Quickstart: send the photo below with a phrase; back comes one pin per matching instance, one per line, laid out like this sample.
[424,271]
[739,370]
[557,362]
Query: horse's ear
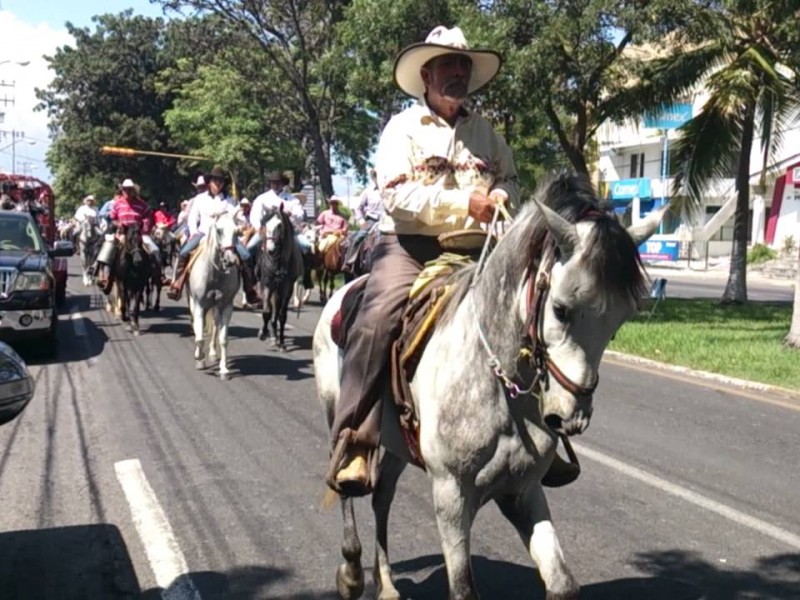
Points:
[644,229]
[564,232]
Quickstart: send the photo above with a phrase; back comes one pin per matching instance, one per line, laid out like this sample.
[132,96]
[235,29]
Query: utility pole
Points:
[15,135]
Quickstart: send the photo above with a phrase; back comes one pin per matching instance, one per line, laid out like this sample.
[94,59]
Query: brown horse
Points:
[329,265]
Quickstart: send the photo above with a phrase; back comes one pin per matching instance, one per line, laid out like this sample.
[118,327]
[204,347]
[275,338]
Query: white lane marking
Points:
[738,517]
[162,549]
[78,325]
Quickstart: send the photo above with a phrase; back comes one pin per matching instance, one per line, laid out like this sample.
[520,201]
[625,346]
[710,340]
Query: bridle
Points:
[534,345]
[533,348]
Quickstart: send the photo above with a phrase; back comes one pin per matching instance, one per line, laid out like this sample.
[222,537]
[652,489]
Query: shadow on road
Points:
[84,561]
[293,369]
[242,583]
[673,575]
[776,576]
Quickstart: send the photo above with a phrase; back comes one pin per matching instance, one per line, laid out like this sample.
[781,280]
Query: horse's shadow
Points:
[293,344]
[670,575]
[292,369]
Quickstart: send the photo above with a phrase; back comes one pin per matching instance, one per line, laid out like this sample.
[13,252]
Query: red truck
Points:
[26,188]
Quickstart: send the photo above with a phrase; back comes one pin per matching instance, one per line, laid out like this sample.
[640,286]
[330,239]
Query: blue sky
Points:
[31,30]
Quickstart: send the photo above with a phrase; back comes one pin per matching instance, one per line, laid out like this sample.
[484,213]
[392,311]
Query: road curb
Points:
[708,376]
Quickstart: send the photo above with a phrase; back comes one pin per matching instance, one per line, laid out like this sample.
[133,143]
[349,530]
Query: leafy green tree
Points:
[751,93]
[103,93]
[296,37]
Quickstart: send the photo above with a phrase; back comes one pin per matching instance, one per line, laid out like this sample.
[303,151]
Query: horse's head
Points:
[133,243]
[278,229]
[224,238]
[583,279]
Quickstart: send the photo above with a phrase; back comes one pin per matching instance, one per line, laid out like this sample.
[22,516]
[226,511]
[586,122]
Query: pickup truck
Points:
[28,286]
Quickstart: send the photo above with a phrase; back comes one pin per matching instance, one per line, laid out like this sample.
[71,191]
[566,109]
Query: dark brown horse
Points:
[132,269]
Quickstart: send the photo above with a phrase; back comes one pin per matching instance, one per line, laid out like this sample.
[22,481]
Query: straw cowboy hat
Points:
[334,199]
[440,41]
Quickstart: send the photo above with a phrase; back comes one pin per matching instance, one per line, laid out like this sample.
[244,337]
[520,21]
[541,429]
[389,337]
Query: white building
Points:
[631,172]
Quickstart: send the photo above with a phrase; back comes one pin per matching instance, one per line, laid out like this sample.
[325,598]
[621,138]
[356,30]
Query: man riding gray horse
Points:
[440,168]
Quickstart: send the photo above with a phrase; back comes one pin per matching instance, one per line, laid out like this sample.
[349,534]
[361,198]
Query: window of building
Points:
[637,165]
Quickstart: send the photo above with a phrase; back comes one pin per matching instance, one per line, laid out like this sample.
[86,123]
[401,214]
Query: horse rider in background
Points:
[368,214]
[206,207]
[128,209]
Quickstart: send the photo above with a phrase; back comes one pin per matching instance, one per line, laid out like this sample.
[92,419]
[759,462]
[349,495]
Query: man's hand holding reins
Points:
[481,207]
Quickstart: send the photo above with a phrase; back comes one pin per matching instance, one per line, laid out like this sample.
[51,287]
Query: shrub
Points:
[789,247]
[760,253]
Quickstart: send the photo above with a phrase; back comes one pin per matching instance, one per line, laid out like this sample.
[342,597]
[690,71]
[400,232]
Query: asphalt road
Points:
[681,284]
[686,493]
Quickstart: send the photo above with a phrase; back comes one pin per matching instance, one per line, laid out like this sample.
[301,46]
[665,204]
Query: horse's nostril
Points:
[554,422]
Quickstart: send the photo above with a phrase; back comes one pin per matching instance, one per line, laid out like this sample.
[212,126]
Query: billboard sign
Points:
[659,250]
[668,117]
[627,189]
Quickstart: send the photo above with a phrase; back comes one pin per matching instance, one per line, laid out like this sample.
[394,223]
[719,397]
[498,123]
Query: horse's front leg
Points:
[391,468]
[454,516]
[530,515]
[137,305]
[350,574]
[280,320]
[122,291]
[266,315]
[198,325]
[222,336]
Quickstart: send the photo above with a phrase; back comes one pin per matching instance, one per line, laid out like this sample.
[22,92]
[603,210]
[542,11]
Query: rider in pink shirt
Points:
[331,221]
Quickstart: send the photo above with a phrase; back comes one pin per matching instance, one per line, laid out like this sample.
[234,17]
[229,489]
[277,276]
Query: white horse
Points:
[213,283]
[490,420]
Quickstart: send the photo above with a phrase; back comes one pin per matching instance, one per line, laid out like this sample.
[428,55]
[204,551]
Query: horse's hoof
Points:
[224,376]
[571,591]
[136,332]
[349,588]
[200,364]
[262,335]
[282,348]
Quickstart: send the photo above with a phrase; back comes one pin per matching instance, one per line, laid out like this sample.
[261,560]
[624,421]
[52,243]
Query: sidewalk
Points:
[718,269]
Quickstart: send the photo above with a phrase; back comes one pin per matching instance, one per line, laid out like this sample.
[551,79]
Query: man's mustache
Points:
[457,88]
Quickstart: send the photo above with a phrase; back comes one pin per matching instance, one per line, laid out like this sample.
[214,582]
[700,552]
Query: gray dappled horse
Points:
[280,267]
[212,286]
[90,238]
[479,441]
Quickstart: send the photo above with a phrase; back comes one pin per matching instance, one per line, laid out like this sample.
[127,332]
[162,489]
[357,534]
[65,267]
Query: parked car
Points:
[27,281]
[16,384]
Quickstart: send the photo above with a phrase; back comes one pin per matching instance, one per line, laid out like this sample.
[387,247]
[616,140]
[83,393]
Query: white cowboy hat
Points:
[127,183]
[244,201]
[440,41]
[89,198]
[200,181]
[333,199]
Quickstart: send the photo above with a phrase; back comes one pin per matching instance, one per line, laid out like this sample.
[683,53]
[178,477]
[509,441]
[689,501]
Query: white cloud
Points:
[26,42]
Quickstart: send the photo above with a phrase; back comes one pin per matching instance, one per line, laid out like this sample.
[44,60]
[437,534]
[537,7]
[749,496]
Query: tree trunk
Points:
[321,158]
[736,288]
[793,339]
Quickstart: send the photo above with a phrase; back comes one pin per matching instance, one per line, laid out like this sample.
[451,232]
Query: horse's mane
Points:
[613,260]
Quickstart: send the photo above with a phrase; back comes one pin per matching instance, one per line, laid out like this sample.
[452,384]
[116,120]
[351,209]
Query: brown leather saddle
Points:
[428,298]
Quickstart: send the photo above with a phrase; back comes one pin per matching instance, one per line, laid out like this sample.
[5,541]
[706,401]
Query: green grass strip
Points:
[739,341]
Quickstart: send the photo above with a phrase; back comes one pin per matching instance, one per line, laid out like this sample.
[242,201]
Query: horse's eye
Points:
[561,312]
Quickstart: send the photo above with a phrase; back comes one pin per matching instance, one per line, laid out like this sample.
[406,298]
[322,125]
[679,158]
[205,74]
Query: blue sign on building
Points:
[668,117]
[659,250]
[628,189]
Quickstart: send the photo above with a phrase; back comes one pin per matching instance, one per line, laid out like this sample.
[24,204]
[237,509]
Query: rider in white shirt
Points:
[86,209]
[204,210]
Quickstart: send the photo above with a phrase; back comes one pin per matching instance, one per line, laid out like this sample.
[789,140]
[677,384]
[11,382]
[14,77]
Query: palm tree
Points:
[741,65]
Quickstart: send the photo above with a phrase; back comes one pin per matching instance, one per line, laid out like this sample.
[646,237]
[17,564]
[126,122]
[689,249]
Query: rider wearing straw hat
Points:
[440,168]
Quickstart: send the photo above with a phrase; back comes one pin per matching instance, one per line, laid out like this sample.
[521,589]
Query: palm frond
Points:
[708,146]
